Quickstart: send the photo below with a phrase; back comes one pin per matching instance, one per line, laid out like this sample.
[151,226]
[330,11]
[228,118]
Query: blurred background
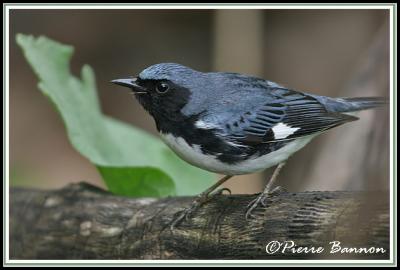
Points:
[326,52]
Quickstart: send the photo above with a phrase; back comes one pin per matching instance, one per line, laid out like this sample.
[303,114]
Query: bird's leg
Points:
[200,200]
[267,191]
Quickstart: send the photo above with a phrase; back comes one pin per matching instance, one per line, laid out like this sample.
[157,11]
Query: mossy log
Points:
[81,221]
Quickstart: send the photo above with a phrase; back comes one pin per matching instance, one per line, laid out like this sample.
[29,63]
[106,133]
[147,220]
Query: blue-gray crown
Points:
[165,71]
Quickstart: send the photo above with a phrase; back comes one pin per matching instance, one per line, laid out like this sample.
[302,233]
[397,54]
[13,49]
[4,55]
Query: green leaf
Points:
[148,181]
[131,161]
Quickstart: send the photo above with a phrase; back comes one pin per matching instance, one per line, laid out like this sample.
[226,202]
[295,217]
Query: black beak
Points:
[132,84]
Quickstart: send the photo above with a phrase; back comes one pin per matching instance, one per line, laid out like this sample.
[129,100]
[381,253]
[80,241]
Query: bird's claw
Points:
[201,199]
[185,213]
[220,192]
[262,199]
[278,190]
[253,205]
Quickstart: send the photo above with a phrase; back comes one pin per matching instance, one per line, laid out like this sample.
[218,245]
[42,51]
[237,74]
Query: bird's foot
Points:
[185,213]
[219,192]
[196,204]
[278,190]
[262,199]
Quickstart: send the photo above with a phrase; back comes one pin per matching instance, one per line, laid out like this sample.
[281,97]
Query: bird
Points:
[235,124]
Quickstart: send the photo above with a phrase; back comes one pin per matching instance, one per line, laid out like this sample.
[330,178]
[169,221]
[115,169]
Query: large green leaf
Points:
[131,161]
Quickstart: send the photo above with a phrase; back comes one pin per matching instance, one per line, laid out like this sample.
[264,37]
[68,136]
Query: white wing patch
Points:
[282,131]
[204,125]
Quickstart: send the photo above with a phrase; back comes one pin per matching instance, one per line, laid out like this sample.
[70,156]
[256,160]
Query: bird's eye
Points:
[162,87]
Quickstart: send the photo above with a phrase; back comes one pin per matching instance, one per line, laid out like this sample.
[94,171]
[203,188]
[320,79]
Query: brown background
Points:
[318,51]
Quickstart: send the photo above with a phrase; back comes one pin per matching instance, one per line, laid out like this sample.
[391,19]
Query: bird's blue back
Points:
[244,108]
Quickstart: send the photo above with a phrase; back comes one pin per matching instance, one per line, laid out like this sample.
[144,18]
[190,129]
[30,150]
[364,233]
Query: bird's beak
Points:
[132,84]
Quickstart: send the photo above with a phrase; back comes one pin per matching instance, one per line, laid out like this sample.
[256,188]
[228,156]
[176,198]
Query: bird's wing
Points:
[286,115]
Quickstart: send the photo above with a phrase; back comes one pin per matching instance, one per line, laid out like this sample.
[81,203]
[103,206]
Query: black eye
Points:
[162,87]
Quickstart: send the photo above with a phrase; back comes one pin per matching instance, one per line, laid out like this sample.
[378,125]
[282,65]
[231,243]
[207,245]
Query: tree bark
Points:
[81,221]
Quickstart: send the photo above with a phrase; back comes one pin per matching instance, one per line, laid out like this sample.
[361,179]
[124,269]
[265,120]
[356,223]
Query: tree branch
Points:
[81,221]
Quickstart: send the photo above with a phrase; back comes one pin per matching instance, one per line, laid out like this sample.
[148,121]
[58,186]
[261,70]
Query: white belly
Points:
[193,155]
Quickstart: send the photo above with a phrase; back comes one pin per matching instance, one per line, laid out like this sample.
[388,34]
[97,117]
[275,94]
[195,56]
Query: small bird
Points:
[235,124]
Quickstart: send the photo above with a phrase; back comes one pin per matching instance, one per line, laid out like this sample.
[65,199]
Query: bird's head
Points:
[163,89]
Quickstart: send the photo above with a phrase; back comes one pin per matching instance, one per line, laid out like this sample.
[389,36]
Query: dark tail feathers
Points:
[363,103]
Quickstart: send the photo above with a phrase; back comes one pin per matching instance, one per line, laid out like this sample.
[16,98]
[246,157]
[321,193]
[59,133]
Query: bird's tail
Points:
[363,103]
[351,104]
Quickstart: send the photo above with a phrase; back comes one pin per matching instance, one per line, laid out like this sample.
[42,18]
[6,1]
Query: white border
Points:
[9,7]
[6,80]
[391,150]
